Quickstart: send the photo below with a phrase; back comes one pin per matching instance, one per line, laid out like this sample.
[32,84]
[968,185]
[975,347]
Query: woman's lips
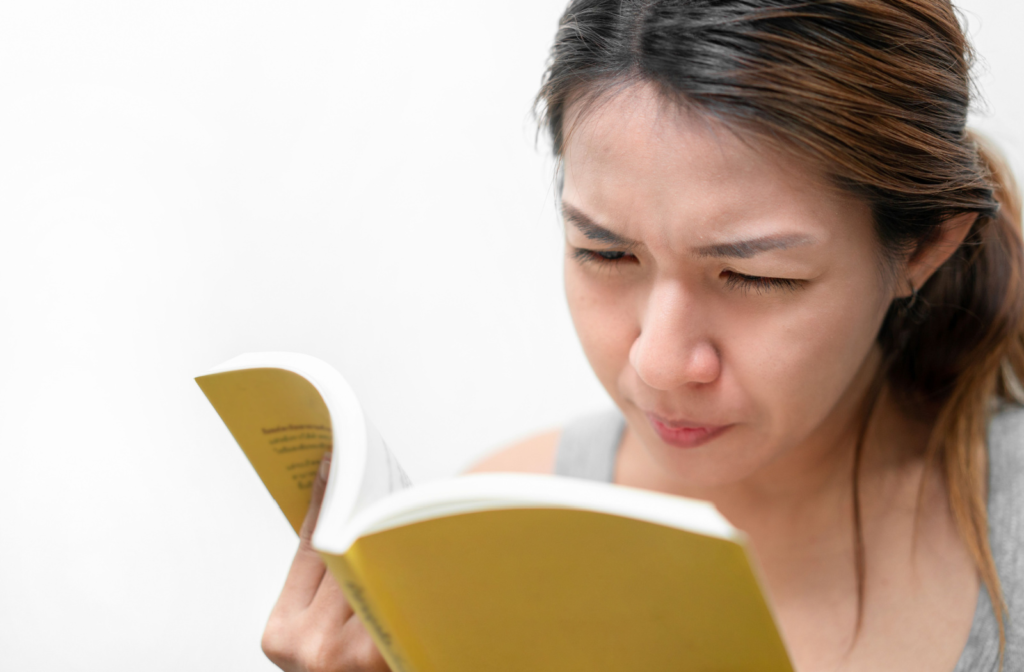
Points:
[684,434]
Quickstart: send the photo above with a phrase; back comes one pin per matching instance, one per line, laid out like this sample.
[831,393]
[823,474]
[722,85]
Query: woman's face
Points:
[726,296]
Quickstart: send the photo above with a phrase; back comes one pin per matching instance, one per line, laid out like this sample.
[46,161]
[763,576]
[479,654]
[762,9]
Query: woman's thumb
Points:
[316,498]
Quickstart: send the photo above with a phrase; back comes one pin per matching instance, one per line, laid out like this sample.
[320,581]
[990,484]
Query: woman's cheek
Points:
[802,360]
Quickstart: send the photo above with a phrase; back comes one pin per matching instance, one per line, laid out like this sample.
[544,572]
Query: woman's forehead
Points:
[636,159]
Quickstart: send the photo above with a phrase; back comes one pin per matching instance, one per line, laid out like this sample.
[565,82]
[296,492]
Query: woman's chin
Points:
[721,459]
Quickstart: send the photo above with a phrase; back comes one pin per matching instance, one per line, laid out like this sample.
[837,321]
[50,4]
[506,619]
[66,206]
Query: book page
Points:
[383,475]
[281,423]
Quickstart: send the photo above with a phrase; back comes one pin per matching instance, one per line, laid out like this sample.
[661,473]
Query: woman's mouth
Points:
[684,434]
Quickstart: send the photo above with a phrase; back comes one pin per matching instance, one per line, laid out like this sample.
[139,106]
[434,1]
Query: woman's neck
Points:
[798,513]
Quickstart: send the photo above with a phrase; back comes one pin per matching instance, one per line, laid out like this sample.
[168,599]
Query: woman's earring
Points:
[913,297]
[913,309]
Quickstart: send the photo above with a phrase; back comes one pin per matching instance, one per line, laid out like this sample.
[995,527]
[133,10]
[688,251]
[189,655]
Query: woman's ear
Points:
[927,260]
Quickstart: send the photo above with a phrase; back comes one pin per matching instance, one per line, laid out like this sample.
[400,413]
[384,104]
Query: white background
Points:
[181,182]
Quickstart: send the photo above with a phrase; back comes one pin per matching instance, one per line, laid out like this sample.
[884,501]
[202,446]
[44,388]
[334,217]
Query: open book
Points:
[497,572]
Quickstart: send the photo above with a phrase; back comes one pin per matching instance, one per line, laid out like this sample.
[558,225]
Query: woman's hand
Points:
[312,628]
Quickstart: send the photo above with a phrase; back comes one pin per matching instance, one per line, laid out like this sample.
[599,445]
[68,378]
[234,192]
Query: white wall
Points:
[186,181]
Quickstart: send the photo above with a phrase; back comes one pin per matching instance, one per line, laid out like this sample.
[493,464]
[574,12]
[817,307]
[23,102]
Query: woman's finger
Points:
[307,570]
[360,652]
[329,602]
[316,498]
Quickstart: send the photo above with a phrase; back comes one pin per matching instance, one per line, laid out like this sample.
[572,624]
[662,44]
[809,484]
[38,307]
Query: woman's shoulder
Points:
[584,448]
[533,455]
[1006,491]
[1006,518]
[1006,460]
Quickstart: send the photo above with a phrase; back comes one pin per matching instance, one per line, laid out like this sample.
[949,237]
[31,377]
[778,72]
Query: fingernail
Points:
[325,466]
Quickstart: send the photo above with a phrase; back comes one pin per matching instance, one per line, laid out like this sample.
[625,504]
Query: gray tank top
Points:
[588,448]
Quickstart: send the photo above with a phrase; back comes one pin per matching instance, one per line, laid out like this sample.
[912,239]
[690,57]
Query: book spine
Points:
[362,602]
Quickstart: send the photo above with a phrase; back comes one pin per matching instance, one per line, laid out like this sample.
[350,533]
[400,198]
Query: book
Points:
[497,572]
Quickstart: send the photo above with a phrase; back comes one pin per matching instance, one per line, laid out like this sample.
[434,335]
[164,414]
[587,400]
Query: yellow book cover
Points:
[498,572]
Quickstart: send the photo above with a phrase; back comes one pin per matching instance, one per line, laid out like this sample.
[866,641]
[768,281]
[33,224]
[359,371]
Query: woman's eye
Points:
[759,284]
[601,256]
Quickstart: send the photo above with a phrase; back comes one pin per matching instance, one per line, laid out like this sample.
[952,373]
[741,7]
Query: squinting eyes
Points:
[601,256]
[759,284]
[732,279]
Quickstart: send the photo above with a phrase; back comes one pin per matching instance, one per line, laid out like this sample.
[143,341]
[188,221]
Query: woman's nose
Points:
[674,347]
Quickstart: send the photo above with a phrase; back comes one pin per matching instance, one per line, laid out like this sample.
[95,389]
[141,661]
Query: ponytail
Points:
[963,351]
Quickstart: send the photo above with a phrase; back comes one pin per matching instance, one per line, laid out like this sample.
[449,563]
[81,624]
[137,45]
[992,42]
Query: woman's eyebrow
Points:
[745,249]
[739,249]
[592,230]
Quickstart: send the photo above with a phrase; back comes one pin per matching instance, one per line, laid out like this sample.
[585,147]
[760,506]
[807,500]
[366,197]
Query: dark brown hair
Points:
[877,93]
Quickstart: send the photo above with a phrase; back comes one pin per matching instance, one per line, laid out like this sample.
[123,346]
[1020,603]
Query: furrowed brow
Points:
[745,249]
[592,230]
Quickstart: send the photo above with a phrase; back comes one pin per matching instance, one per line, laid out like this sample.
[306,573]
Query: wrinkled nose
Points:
[674,348]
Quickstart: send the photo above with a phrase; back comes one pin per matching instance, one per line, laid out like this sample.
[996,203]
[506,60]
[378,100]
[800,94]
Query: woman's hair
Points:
[876,93]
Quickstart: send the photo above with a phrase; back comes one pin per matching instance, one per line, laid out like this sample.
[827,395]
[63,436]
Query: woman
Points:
[800,279]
